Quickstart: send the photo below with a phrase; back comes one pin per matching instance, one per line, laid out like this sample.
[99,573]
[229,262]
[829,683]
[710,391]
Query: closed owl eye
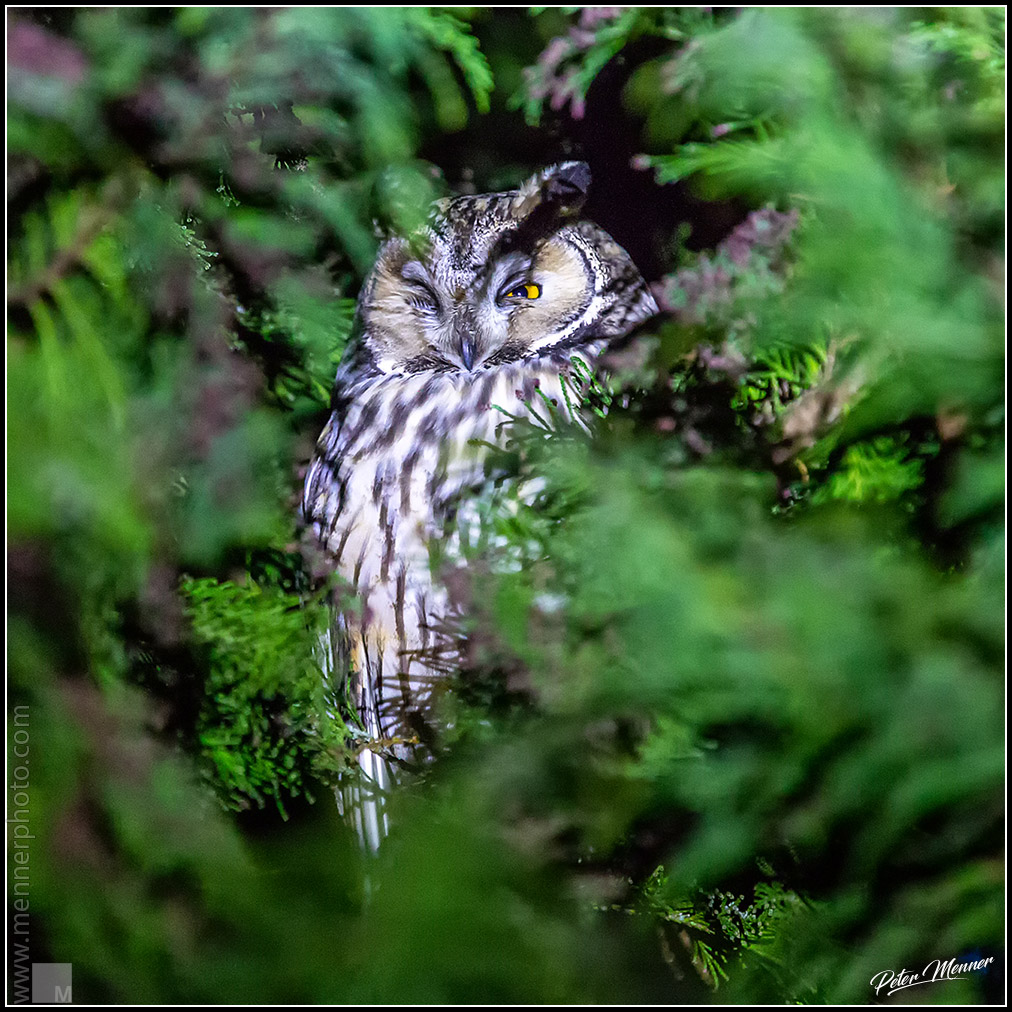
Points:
[423,298]
[422,303]
[524,291]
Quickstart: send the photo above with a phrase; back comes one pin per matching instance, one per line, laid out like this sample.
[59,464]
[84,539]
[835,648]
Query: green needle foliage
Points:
[728,725]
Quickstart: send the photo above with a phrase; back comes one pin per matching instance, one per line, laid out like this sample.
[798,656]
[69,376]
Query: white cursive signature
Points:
[936,969]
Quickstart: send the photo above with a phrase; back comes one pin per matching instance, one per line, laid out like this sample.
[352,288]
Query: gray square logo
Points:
[51,983]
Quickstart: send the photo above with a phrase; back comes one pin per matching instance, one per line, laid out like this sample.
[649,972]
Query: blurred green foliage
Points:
[730,723]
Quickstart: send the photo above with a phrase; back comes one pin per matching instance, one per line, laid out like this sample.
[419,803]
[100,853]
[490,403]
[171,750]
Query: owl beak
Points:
[467,352]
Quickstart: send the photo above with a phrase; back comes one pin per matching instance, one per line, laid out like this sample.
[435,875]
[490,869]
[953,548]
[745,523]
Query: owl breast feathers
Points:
[507,289]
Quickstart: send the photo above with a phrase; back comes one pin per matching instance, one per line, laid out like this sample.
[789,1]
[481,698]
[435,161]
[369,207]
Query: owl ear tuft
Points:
[562,187]
[567,184]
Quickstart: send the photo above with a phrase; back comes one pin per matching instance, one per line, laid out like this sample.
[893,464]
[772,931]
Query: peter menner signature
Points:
[892,981]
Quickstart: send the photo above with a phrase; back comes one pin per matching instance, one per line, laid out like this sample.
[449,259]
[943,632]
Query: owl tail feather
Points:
[363,795]
[363,798]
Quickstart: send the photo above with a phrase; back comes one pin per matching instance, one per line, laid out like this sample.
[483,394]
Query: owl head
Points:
[498,278]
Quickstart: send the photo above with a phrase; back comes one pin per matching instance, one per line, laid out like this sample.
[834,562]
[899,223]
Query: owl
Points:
[479,316]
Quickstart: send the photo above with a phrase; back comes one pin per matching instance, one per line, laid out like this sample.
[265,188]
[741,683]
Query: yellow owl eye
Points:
[524,292]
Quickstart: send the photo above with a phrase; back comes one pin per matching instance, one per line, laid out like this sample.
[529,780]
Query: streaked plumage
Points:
[506,289]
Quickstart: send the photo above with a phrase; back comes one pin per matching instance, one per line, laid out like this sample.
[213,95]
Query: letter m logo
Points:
[51,983]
